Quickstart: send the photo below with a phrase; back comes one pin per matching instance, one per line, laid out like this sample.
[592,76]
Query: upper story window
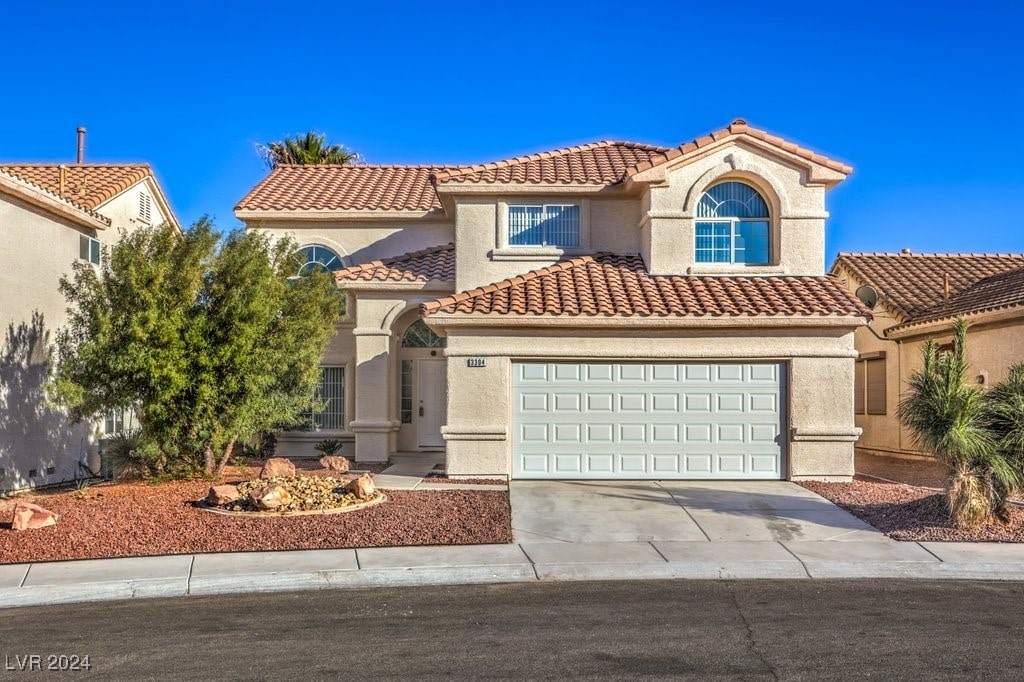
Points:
[145,208]
[315,257]
[89,249]
[732,226]
[544,225]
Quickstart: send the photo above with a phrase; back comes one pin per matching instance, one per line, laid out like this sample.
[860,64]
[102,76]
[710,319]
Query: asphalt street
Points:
[796,630]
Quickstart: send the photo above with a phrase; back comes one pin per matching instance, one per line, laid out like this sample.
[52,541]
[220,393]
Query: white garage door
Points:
[655,421]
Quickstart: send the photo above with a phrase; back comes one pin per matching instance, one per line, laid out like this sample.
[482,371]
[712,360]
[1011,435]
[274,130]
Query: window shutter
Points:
[145,208]
[875,377]
[858,387]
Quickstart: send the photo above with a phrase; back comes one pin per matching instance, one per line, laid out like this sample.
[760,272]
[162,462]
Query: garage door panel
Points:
[653,420]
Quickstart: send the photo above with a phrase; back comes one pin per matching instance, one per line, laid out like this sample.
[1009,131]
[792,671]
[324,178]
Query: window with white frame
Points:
[118,421]
[732,226]
[145,208]
[89,249]
[328,414]
[544,225]
[315,258]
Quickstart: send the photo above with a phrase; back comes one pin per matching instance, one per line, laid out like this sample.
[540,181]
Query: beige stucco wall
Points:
[361,241]
[36,250]
[607,223]
[797,208]
[820,429]
[123,211]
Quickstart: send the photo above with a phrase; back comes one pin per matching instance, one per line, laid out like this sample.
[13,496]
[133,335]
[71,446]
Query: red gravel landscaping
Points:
[905,512]
[139,519]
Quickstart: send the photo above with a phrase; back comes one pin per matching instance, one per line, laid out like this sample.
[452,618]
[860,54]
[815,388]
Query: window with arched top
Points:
[419,335]
[732,226]
[315,258]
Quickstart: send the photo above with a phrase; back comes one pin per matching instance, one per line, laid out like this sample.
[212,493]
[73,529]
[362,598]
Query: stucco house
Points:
[52,215]
[917,297]
[611,310]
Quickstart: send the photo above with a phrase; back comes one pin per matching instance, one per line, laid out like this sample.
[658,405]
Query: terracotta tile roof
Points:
[738,127]
[619,285]
[913,284]
[435,263]
[598,163]
[998,292]
[72,205]
[87,185]
[346,187]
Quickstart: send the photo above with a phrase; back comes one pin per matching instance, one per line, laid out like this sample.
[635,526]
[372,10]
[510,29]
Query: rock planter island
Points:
[293,496]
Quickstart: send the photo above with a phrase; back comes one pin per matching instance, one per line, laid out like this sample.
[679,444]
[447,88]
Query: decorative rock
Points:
[28,516]
[334,463]
[271,497]
[277,466]
[222,494]
[362,487]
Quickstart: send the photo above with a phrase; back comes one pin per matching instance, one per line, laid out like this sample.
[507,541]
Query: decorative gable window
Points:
[315,257]
[732,226]
[89,249]
[419,335]
[544,225]
[145,208]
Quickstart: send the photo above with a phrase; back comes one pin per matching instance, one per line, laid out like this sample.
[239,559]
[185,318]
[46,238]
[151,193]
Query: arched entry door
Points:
[424,384]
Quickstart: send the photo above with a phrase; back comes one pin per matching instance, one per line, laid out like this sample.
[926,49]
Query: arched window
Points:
[419,335]
[732,226]
[315,257]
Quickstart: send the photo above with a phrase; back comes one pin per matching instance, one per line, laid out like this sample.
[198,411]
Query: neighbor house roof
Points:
[610,285]
[913,284]
[344,187]
[434,264]
[998,292]
[86,185]
[41,196]
[414,188]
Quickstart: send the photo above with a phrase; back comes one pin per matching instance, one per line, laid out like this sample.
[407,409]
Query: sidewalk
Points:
[205,574]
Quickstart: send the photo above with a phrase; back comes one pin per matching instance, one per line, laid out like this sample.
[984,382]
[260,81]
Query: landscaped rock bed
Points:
[905,512]
[140,519]
[301,495]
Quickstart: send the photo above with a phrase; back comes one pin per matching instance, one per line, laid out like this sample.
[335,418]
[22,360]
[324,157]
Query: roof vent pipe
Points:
[945,288]
[81,145]
[905,252]
[62,180]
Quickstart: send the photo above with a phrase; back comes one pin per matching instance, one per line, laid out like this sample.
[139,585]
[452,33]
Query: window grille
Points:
[732,226]
[544,225]
[329,412]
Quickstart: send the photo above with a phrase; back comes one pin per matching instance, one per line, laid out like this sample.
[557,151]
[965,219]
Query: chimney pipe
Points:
[81,145]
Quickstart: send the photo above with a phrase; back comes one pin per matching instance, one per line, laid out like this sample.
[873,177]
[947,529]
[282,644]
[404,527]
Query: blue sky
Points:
[925,105]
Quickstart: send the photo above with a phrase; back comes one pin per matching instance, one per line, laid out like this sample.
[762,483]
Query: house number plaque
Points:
[476,362]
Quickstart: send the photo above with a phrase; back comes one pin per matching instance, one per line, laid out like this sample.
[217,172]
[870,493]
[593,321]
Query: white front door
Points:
[433,399]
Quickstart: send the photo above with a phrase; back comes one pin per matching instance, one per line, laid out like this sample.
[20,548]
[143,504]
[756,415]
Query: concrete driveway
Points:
[671,511]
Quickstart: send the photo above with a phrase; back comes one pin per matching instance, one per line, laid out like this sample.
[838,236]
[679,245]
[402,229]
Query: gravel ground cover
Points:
[140,519]
[905,512]
[920,472]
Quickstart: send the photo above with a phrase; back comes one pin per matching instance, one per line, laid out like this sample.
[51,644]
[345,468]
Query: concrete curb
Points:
[262,572]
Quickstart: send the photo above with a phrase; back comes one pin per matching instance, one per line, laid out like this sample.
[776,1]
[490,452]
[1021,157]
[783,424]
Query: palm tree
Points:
[310,149]
[1006,408]
[951,420]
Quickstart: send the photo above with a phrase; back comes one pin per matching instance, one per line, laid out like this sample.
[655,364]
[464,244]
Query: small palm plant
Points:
[1006,414]
[328,446]
[310,149]
[951,420]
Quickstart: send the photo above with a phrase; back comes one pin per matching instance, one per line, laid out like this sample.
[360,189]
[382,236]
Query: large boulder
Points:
[334,463]
[273,496]
[222,494]
[362,487]
[277,466]
[28,516]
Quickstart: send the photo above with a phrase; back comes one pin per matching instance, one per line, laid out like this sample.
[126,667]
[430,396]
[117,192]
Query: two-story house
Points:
[52,215]
[612,310]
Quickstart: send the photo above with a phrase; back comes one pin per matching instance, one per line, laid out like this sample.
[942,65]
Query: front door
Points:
[433,398]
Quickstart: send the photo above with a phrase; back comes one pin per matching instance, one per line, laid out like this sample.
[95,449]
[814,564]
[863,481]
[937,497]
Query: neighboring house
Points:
[50,216]
[612,310]
[918,297]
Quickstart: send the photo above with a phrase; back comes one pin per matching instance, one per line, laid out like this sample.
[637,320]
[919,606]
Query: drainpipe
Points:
[81,145]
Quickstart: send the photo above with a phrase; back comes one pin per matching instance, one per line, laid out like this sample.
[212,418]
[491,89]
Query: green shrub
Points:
[129,455]
[328,446]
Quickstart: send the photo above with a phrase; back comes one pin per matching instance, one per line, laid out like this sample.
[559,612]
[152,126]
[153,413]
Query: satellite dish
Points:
[867,295]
